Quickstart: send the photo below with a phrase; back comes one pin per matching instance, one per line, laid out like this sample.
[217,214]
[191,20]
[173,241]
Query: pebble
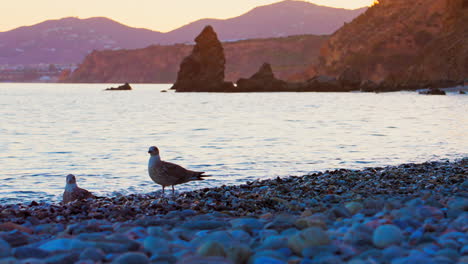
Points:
[203,225]
[266,260]
[387,235]
[312,236]
[5,249]
[354,207]
[30,252]
[63,244]
[93,254]
[211,249]
[155,245]
[131,258]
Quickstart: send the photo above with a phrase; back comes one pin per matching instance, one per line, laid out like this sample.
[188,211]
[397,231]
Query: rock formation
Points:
[262,81]
[433,91]
[203,69]
[160,64]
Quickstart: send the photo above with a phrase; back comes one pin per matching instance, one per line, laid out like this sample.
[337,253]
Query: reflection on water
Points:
[50,130]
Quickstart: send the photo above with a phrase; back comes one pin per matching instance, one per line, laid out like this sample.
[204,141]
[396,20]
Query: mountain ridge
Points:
[69,40]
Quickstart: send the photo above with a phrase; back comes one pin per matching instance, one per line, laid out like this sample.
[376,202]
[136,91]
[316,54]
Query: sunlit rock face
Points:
[403,41]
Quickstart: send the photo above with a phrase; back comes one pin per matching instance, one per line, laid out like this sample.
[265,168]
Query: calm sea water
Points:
[50,130]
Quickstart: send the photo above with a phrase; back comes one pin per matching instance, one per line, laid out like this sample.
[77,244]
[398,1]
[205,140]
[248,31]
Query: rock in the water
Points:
[387,235]
[131,258]
[123,87]
[433,91]
[203,70]
[322,83]
[262,81]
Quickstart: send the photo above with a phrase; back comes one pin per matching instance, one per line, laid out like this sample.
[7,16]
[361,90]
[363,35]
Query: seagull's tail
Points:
[199,176]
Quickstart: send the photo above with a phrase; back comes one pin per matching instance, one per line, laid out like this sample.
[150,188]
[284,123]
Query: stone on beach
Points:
[5,249]
[387,235]
[131,258]
[211,249]
[312,236]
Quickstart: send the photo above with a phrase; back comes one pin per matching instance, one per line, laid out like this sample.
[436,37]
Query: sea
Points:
[50,130]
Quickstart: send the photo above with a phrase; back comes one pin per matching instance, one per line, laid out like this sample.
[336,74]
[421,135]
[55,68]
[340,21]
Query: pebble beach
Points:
[410,213]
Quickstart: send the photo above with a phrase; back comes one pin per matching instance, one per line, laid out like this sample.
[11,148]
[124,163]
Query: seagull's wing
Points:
[83,194]
[178,173]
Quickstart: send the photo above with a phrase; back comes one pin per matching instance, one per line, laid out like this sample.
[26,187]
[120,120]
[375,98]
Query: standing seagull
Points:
[169,174]
[73,192]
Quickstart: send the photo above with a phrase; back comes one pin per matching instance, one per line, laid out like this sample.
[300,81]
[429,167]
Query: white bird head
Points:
[153,151]
[71,179]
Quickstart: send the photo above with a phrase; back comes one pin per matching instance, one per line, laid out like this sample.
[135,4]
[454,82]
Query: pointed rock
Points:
[203,70]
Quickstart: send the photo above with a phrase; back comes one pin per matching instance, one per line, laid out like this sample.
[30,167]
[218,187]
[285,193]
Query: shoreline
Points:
[380,214]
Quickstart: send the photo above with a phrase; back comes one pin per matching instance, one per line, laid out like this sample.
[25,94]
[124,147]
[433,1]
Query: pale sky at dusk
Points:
[159,15]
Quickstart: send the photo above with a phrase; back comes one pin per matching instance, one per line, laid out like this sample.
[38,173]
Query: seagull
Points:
[73,192]
[169,174]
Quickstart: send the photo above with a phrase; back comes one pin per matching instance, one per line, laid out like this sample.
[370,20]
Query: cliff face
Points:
[446,57]
[402,40]
[160,64]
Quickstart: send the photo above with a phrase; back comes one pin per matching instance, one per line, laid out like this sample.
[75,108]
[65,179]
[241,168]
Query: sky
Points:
[159,15]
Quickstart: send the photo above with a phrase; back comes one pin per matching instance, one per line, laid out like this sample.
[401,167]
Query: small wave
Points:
[58,152]
[363,162]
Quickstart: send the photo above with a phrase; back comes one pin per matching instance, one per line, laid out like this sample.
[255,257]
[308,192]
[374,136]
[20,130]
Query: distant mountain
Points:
[69,40]
[281,19]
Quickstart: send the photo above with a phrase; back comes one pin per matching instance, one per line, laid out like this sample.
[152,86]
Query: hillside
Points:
[160,64]
[402,41]
[69,40]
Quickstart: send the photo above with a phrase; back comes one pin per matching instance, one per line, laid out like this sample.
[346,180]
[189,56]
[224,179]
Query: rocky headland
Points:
[411,213]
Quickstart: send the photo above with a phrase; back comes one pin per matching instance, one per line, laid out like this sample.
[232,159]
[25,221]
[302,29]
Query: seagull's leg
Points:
[173,190]
[163,189]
